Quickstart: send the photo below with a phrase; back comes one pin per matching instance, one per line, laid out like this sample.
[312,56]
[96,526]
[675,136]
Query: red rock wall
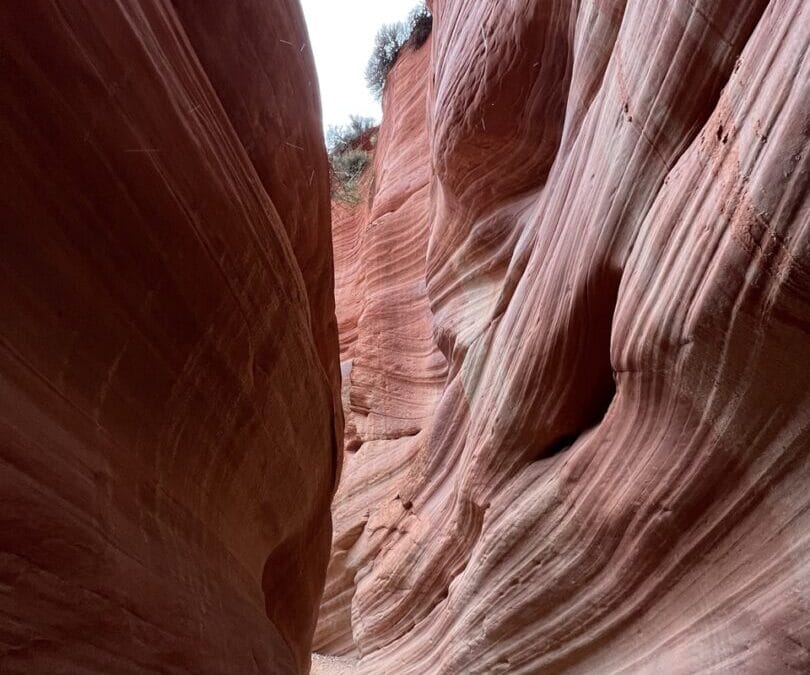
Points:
[168,353]
[393,371]
[618,275]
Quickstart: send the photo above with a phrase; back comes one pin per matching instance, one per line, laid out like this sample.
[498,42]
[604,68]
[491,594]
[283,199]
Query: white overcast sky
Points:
[342,35]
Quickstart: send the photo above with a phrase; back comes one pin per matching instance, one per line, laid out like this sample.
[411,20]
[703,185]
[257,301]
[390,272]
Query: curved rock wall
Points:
[168,352]
[617,268]
[393,371]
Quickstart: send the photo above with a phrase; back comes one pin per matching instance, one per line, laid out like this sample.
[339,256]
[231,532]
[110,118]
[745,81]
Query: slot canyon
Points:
[536,400]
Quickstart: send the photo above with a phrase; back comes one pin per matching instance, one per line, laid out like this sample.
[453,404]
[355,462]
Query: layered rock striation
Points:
[168,354]
[578,367]
[393,371]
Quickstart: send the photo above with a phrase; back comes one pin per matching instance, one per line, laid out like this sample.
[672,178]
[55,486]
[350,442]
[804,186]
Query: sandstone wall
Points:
[617,270]
[168,352]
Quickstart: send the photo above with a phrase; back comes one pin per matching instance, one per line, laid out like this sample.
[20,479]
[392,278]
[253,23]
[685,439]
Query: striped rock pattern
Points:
[395,369]
[613,477]
[393,372]
[168,350]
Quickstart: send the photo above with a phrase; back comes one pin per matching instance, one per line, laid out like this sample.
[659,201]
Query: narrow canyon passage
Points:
[529,394]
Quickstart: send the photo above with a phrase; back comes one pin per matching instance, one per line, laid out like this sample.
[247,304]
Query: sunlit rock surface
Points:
[168,352]
[607,204]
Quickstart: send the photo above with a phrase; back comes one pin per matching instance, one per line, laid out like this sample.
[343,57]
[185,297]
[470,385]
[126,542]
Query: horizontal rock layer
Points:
[617,268]
[168,351]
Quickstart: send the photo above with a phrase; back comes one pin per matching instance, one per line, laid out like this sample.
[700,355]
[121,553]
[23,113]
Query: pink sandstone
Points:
[596,459]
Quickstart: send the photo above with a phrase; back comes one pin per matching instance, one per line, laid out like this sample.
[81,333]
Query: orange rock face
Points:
[168,352]
[596,459]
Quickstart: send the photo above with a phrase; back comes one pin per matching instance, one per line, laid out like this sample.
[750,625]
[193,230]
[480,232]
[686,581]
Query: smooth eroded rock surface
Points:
[168,352]
[608,469]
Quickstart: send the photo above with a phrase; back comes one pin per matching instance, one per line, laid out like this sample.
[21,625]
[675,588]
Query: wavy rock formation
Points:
[168,348]
[615,258]
[393,372]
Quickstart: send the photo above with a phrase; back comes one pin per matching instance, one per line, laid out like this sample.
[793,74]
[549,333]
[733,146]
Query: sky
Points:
[342,35]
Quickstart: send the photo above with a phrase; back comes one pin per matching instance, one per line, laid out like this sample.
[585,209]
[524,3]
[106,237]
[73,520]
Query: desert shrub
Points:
[389,42]
[350,164]
[346,136]
[347,167]
[420,22]
[348,146]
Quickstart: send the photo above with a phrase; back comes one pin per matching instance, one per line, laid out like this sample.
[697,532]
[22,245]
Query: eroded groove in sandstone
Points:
[617,264]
